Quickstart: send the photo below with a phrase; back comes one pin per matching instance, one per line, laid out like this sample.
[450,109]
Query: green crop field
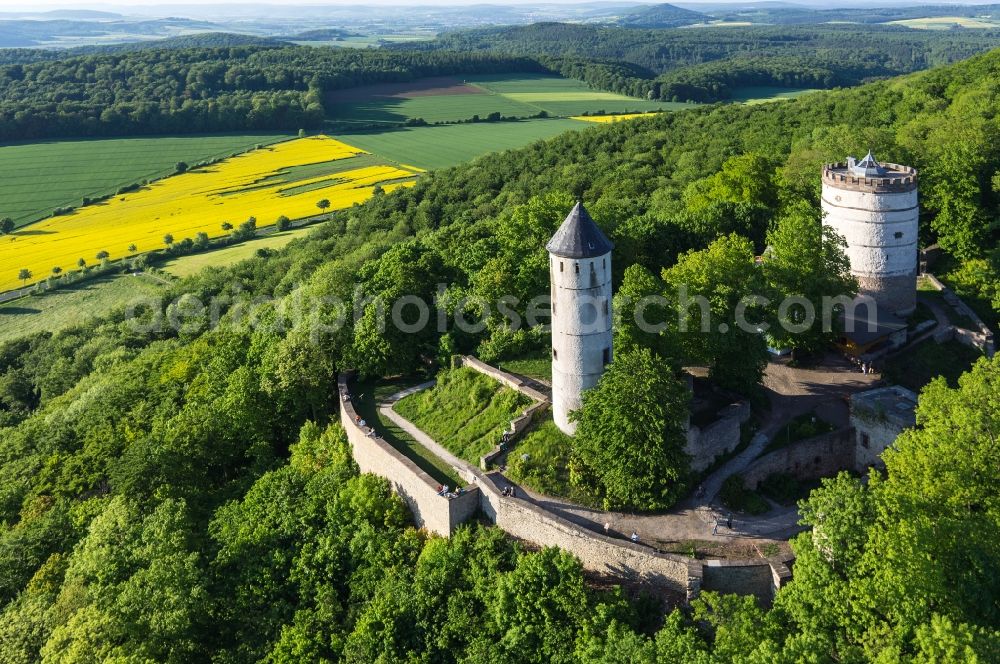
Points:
[565,96]
[37,178]
[760,94]
[432,108]
[185,266]
[450,99]
[72,305]
[448,145]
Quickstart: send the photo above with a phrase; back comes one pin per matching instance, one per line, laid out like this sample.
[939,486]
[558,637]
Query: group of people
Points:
[718,522]
[445,490]
[360,421]
[509,492]
[505,440]
[865,366]
[634,537]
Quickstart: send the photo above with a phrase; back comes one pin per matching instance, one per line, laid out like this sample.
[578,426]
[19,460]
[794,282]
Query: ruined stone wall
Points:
[881,433]
[820,456]
[719,437]
[418,489]
[981,337]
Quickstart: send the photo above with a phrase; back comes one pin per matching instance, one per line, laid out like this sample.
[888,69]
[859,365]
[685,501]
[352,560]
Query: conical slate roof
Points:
[579,237]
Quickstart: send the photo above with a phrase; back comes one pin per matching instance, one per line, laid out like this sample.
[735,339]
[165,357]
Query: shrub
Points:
[736,496]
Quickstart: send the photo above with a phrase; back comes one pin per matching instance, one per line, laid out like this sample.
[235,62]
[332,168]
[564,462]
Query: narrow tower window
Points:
[899,235]
[555,354]
[604,306]
[577,266]
[560,266]
[607,356]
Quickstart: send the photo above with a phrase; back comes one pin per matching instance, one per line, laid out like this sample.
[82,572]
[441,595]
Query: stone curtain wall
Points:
[597,552]
[533,524]
[719,437]
[510,380]
[418,489]
[820,456]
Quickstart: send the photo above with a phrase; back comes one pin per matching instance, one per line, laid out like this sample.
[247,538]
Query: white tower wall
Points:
[879,218]
[581,330]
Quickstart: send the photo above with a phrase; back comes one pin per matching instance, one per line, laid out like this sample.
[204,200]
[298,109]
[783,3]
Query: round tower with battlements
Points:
[874,206]
[580,279]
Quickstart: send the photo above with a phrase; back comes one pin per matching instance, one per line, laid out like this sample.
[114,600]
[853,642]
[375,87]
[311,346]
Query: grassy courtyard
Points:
[466,411]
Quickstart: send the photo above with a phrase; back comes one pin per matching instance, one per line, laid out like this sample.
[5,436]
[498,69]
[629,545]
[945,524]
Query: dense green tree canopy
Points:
[164,493]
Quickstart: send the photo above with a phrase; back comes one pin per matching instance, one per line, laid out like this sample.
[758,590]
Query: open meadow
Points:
[56,310]
[948,23]
[185,266]
[285,179]
[37,178]
[761,94]
[450,99]
[450,145]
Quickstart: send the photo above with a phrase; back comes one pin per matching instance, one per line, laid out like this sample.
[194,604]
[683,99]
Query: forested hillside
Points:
[189,90]
[794,56]
[175,493]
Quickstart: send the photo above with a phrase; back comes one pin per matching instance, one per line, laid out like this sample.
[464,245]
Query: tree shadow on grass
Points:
[15,311]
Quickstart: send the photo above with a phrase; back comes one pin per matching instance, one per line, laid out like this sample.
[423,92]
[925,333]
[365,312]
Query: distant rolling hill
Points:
[200,40]
[662,16]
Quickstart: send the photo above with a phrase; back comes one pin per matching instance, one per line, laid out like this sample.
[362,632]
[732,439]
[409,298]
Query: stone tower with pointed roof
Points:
[874,206]
[580,281]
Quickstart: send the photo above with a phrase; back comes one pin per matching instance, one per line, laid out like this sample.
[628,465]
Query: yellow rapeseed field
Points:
[610,118]
[256,184]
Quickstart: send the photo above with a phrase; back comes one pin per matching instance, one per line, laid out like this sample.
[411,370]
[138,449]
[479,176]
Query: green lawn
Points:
[185,266]
[72,305]
[466,412]
[759,94]
[450,145]
[537,365]
[917,367]
[37,178]
[541,459]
